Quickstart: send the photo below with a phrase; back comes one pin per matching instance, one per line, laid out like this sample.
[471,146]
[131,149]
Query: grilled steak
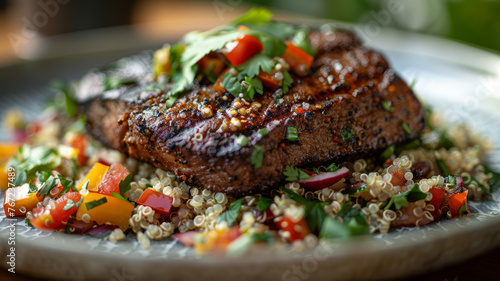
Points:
[338,111]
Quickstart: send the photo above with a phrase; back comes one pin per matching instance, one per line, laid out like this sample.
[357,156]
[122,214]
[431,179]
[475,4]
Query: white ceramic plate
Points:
[462,81]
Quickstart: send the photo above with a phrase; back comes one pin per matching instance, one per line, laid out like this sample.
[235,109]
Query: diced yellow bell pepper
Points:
[94,177]
[115,211]
[7,150]
[161,61]
[18,201]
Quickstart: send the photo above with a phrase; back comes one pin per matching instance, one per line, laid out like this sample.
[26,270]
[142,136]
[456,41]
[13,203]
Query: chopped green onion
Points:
[387,106]
[242,140]
[406,128]
[292,134]
[92,204]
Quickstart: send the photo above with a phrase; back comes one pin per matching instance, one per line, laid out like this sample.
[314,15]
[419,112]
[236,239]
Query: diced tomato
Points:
[269,79]
[298,230]
[436,201]
[94,177]
[111,181]
[114,211]
[158,201]
[455,201]
[50,218]
[80,142]
[17,201]
[245,47]
[299,60]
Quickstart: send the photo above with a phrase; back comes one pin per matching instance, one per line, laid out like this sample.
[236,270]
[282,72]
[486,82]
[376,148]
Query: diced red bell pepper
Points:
[269,79]
[246,46]
[298,230]
[158,201]
[436,201]
[298,60]
[456,201]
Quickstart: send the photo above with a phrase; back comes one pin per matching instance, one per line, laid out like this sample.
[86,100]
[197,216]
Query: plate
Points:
[461,81]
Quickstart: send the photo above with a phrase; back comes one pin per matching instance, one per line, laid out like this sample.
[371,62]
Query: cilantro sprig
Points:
[402,199]
[293,174]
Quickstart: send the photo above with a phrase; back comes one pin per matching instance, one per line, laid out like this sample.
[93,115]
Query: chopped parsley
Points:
[95,203]
[47,185]
[300,40]
[442,166]
[67,185]
[387,106]
[406,128]
[293,174]
[287,81]
[111,83]
[263,203]
[232,213]
[31,160]
[125,184]
[32,188]
[314,213]
[257,156]
[292,134]
[242,140]
[346,133]
[70,106]
[116,195]
[388,152]
[69,204]
[263,132]
[402,199]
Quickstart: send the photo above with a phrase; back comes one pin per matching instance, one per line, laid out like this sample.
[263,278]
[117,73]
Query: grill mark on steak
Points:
[345,91]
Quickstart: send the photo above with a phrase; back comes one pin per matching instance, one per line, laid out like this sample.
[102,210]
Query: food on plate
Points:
[256,132]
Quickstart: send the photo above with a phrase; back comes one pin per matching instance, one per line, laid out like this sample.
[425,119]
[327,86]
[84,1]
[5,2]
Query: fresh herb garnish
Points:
[462,210]
[111,83]
[22,177]
[69,204]
[28,222]
[32,188]
[293,174]
[406,128]
[346,133]
[442,166]
[387,106]
[34,160]
[125,184]
[95,203]
[287,81]
[47,185]
[388,152]
[241,245]
[263,203]
[263,132]
[292,134]
[300,40]
[257,156]
[67,184]
[232,213]
[70,105]
[354,223]
[402,199]
[116,195]
[314,212]
[242,140]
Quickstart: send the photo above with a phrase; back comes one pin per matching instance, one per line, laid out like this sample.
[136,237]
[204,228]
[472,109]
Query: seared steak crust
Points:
[337,110]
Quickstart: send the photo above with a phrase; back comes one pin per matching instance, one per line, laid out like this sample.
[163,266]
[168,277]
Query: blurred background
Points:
[26,25]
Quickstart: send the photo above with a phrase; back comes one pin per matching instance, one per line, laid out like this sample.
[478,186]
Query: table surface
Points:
[152,20]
